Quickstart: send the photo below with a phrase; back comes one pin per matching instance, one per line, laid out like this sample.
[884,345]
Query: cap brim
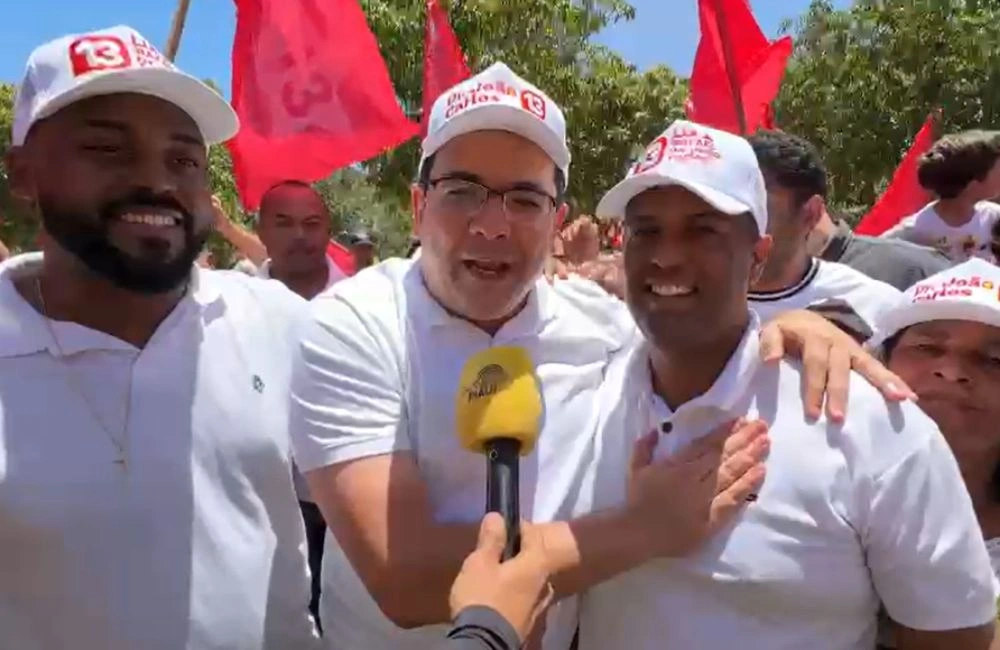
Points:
[898,319]
[215,118]
[500,117]
[613,203]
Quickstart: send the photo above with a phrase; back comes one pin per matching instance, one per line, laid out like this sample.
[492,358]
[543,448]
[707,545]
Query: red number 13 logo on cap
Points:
[92,53]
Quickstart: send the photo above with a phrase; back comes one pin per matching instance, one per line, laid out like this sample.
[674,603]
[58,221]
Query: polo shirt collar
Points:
[725,393]
[23,330]
[539,309]
[334,272]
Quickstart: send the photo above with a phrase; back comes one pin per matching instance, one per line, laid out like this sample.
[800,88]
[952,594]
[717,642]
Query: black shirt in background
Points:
[481,628]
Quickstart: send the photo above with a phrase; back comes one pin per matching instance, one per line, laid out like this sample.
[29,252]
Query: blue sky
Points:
[664,31]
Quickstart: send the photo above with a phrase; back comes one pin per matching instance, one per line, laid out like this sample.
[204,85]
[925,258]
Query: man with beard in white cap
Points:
[853,514]
[146,496]
[373,392]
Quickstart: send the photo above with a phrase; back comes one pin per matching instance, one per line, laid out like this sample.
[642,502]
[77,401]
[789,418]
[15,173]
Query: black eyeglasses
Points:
[468,198]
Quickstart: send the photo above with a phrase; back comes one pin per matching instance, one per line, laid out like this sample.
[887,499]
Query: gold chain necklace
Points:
[119,442]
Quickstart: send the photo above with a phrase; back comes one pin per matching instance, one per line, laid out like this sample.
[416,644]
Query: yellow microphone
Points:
[498,411]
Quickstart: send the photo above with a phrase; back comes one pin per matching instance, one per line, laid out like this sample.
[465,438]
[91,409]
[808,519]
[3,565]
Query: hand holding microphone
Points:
[497,412]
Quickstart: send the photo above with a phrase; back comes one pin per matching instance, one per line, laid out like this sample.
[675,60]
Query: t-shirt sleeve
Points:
[347,396]
[925,550]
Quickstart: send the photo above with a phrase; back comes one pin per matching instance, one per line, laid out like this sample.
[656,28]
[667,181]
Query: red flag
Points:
[342,257]
[733,54]
[444,63]
[904,196]
[312,92]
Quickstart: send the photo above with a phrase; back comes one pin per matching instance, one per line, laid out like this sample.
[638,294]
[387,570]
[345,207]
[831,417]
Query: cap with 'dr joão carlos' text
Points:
[719,167]
[497,99]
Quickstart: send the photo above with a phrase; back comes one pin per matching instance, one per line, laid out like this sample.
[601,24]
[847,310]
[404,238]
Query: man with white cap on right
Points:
[853,515]
[373,393]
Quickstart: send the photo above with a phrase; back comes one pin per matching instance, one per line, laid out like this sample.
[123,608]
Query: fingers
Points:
[888,383]
[729,502]
[772,344]
[642,451]
[837,383]
[816,367]
[492,536]
[740,463]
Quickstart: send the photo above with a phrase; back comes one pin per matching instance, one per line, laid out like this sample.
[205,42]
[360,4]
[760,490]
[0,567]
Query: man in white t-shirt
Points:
[374,388]
[851,514]
[792,278]
[146,495]
[962,171]
[293,224]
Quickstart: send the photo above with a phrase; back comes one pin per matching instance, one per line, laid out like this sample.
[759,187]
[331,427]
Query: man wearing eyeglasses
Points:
[372,413]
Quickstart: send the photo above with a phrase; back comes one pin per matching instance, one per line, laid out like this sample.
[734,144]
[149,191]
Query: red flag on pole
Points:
[737,70]
[444,63]
[904,196]
[312,92]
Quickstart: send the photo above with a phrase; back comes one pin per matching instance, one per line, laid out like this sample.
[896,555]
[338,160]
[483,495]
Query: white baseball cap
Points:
[109,61]
[719,167]
[498,99]
[969,291]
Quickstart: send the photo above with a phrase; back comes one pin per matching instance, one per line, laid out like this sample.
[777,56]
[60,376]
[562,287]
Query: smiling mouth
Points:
[670,290]
[149,219]
[486,270]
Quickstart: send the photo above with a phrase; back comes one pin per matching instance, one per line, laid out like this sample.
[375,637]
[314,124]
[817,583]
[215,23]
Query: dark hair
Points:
[888,347]
[414,245]
[792,162]
[956,160]
[424,177]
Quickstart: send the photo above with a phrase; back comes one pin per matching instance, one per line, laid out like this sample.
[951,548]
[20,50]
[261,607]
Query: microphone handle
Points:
[503,488]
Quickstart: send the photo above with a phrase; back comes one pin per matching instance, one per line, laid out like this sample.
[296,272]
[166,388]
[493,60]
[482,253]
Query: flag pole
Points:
[727,56]
[177,28]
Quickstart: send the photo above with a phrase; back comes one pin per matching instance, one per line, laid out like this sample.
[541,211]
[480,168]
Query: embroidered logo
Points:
[258,384]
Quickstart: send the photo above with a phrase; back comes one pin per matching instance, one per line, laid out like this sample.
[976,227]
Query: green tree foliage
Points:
[862,81]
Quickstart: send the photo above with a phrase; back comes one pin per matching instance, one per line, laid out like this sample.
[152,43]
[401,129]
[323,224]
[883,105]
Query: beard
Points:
[86,238]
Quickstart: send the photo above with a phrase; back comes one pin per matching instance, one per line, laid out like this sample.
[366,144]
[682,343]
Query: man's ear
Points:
[418,200]
[761,251]
[812,212]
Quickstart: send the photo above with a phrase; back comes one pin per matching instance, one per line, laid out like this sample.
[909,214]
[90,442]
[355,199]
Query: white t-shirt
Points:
[334,275]
[971,239]
[199,544]
[853,297]
[874,509]
[377,373]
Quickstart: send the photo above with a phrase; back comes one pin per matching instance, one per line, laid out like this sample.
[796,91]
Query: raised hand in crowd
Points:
[246,242]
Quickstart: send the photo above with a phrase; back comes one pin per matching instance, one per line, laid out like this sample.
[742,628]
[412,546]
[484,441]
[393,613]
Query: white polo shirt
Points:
[832,285]
[874,509]
[335,275]
[378,370]
[199,544]
[334,272]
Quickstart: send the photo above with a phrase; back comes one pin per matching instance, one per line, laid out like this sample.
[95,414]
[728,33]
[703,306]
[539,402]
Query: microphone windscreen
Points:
[498,397]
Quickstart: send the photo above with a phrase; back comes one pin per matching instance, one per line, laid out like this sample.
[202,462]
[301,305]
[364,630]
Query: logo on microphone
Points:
[490,380]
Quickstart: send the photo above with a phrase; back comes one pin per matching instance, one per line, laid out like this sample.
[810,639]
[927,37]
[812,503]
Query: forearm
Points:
[973,638]
[588,551]
[244,241]
[413,589]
